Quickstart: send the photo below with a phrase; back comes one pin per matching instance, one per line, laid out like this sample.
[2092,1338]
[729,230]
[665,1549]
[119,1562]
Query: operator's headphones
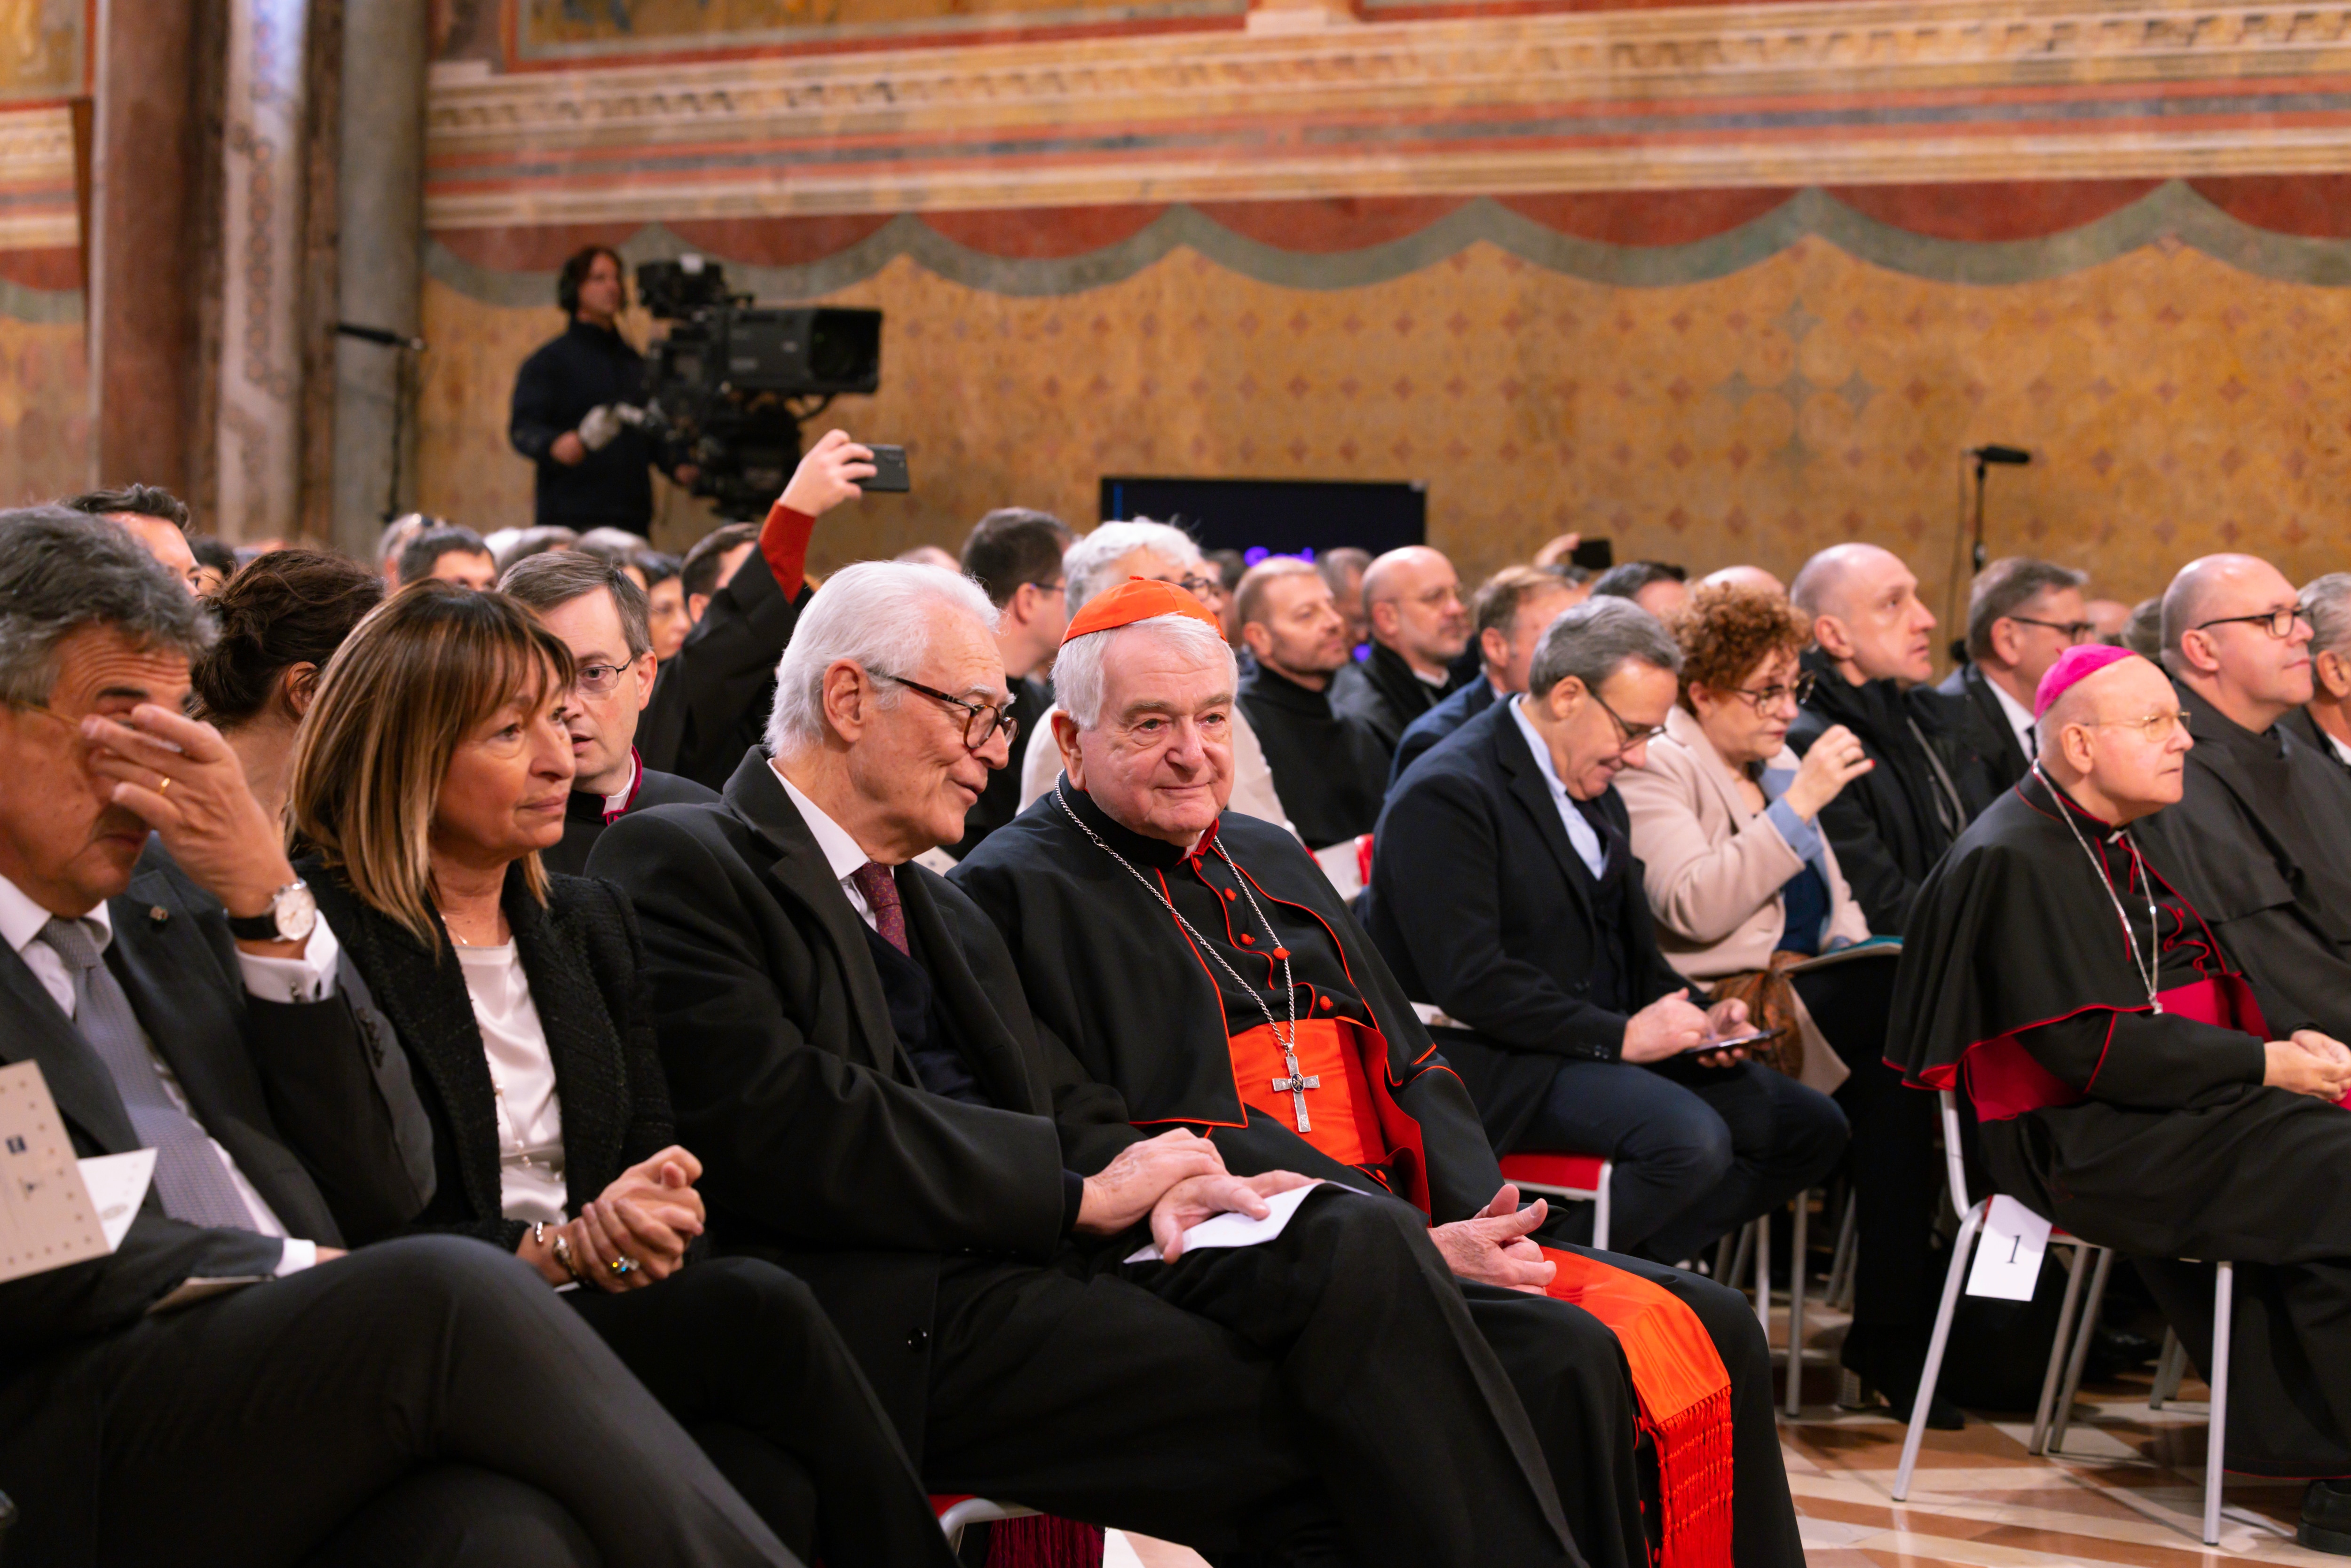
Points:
[575,273]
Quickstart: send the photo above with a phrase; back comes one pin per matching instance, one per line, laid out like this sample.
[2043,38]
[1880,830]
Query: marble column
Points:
[141,309]
[259,437]
[379,261]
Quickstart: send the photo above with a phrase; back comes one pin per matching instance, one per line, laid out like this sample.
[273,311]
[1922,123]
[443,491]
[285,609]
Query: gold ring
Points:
[164,787]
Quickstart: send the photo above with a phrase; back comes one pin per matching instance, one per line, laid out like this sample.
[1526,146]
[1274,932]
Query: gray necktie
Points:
[189,1177]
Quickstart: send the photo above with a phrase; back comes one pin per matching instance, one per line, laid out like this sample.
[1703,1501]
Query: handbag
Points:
[1771,999]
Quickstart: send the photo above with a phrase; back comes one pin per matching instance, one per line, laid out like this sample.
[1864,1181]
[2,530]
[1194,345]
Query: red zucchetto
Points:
[1136,598]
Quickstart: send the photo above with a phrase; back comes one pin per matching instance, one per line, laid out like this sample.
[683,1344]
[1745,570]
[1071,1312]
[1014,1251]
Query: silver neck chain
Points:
[2149,968]
[1289,1042]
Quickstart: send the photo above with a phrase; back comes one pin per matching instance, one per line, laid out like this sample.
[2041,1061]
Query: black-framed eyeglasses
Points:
[1773,696]
[981,720]
[1633,736]
[2278,624]
[2076,632]
[1060,585]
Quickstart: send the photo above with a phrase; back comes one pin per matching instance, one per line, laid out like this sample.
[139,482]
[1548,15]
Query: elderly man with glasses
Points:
[1506,899]
[2259,840]
[2022,616]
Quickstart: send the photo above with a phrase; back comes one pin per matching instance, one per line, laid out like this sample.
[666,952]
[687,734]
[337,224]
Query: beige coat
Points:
[1714,870]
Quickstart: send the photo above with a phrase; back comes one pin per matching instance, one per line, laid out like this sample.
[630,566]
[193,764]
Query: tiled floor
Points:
[2127,1490]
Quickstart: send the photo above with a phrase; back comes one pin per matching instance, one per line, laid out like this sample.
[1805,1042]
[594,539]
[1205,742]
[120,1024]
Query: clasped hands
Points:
[649,1215]
[2309,1063]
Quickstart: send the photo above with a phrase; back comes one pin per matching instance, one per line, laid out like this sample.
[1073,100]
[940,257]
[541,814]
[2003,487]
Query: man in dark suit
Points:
[1871,660]
[712,698]
[850,1051]
[1506,898]
[1510,611]
[2022,616]
[598,609]
[2323,723]
[1419,626]
[314,1405]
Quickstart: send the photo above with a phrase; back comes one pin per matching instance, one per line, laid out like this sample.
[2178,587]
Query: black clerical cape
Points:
[1331,771]
[2143,1129]
[1169,1013]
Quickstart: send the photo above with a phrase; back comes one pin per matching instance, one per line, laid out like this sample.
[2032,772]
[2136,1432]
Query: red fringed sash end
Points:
[1041,1540]
[1685,1400]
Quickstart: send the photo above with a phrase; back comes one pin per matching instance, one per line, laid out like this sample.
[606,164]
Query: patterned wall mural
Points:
[1805,376]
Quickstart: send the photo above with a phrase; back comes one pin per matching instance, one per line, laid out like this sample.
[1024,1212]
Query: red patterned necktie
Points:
[881,892]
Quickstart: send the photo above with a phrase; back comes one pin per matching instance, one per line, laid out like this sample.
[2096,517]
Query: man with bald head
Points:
[1872,654]
[1753,576]
[1419,625]
[2259,840]
[2162,1114]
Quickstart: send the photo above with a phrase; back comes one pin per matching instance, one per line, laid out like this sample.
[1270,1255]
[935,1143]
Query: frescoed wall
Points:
[1804,372]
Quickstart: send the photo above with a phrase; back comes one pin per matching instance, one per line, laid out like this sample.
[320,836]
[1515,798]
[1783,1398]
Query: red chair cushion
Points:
[1579,1171]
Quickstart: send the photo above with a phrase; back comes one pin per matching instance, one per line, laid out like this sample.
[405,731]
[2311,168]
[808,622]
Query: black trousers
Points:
[1326,1397]
[1898,1177]
[430,1392]
[741,1355]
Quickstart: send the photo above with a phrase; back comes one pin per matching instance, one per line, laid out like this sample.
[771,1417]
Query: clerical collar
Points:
[616,804]
[2089,819]
[1157,853]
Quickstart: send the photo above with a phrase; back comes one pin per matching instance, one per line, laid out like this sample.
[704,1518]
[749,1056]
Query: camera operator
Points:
[573,401]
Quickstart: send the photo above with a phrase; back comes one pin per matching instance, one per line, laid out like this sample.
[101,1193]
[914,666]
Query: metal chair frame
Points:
[974,1511]
[2071,1347]
[1596,1195]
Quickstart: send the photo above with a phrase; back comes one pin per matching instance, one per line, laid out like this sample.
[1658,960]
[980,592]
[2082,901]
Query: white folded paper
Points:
[118,1185]
[1234,1229]
[46,1217]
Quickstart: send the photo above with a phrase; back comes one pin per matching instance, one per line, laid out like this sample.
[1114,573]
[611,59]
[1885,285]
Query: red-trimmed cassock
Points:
[2145,1129]
[1623,1360]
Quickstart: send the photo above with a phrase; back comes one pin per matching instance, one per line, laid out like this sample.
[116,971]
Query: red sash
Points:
[2003,1081]
[1685,1398]
[1678,1379]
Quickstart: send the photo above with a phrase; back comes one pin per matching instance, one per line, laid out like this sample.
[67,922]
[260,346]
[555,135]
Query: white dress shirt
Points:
[2019,719]
[522,1078]
[840,851]
[2342,752]
[310,977]
[1580,830]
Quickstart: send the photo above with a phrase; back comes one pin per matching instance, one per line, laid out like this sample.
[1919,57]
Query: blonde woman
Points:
[1725,822]
[430,772]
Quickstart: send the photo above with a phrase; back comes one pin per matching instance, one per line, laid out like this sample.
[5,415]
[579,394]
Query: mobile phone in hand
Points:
[1731,1042]
[889,470]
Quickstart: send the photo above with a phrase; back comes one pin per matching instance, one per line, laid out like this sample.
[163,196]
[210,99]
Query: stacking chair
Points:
[957,1514]
[1582,1179]
[2071,1347]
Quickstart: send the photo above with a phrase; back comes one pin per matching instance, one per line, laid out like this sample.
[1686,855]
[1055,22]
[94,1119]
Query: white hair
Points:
[880,615]
[1078,670]
[1085,564]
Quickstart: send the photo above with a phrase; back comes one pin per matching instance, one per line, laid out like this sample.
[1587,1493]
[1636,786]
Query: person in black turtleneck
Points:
[592,468]
[1419,627]
[600,612]
[1329,770]
[1873,655]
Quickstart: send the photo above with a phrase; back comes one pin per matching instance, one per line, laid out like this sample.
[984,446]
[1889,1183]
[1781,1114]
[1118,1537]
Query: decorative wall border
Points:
[2172,213]
[1769,95]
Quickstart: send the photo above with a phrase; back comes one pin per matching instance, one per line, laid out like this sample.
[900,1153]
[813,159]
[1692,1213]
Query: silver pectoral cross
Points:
[1295,1086]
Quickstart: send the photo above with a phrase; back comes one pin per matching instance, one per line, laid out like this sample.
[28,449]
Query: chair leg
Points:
[1764,1273]
[2076,1277]
[1796,1305]
[1600,1211]
[1953,1279]
[2224,1303]
[1723,1256]
[2169,1368]
[1839,1294]
[2062,1417]
[1738,1258]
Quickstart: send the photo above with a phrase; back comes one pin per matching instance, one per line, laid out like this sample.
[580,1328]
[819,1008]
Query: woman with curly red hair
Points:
[1743,884]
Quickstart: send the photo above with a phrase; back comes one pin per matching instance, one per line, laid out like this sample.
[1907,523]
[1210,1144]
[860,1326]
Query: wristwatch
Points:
[291,914]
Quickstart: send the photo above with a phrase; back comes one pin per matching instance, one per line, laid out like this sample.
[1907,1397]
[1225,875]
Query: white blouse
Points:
[522,1075]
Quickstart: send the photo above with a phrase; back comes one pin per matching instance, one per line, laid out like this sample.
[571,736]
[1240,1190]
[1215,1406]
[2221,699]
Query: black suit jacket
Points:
[1474,698]
[1384,693]
[1982,728]
[820,1148]
[710,704]
[586,970]
[176,962]
[2304,729]
[1482,906]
